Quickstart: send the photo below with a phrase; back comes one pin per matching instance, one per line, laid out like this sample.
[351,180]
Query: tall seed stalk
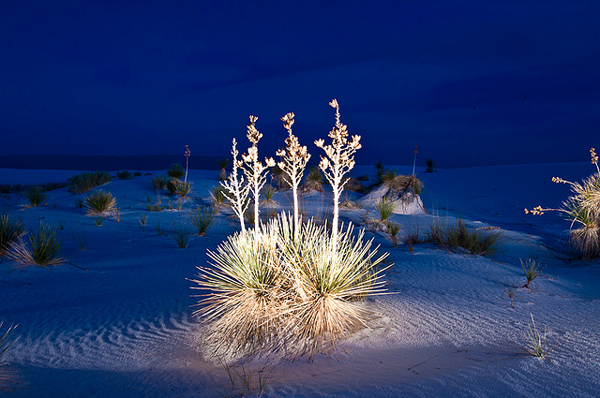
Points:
[254,170]
[294,160]
[339,161]
[234,188]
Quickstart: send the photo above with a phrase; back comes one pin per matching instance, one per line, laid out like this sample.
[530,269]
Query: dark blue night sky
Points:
[472,82]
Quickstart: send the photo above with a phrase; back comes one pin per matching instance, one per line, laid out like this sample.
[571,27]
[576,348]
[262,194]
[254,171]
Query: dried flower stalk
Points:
[339,161]
[254,169]
[294,160]
[234,188]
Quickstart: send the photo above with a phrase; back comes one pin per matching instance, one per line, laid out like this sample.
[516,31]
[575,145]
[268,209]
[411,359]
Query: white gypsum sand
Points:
[115,320]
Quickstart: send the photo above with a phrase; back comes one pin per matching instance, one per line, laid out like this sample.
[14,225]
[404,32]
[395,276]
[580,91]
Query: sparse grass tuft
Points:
[35,195]
[100,202]
[393,228]
[183,188]
[180,235]
[176,171]
[10,231]
[81,183]
[143,219]
[510,290]
[532,270]
[385,207]
[43,248]
[201,219]
[218,196]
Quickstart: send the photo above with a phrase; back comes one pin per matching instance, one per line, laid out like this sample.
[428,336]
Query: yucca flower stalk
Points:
[187,155]
[339,161]
[234,188]
[294,160]
[255,171]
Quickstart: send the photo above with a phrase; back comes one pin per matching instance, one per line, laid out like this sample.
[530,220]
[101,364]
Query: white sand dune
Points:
[116,320]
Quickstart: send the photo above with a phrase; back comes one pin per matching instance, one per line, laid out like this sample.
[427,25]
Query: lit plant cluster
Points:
[583,210]
[287,286]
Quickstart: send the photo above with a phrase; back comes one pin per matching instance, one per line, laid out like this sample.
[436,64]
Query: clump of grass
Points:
[176,171]
[98,221]
[124,175]
[137,174]
[201,219]
[43,248]
[180,235]
[453,236]
[510,290]
[81,239]
[100,202]
[218,196]
[35,195]
[160,182]
[393,228]
[158,227]
[582,208]
[268,191]
[10,231]
[532,270]
[244,381]
[385,207]
[81,183]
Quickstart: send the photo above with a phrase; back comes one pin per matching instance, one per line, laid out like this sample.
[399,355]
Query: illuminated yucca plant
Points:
[582,208]
[269,293]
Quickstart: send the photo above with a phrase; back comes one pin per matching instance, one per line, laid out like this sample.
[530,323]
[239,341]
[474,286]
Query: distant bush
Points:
[35,195]
[124,175]
[314,180]
[81,183]
[10,231]
[100,202]
[176,171]
[429,163]
[43,248]
[137,174]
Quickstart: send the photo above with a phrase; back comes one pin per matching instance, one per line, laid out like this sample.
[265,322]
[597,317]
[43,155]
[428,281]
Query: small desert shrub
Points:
[137,174]
[183,188]
[400,182]
[172,187]
[124,175]
[314,180]
[176,171]
[10,231]
[354,185]
[457,235]
[81,183]
[532,270]
[159,182]
[385,208]
[271,291]
[201,219]
[100,202]
[35,195]
[43,248]
[223,173]
[268,191]
[180,235]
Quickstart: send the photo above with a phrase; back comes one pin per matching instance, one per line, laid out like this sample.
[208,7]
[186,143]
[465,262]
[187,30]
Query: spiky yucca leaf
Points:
[10,231]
